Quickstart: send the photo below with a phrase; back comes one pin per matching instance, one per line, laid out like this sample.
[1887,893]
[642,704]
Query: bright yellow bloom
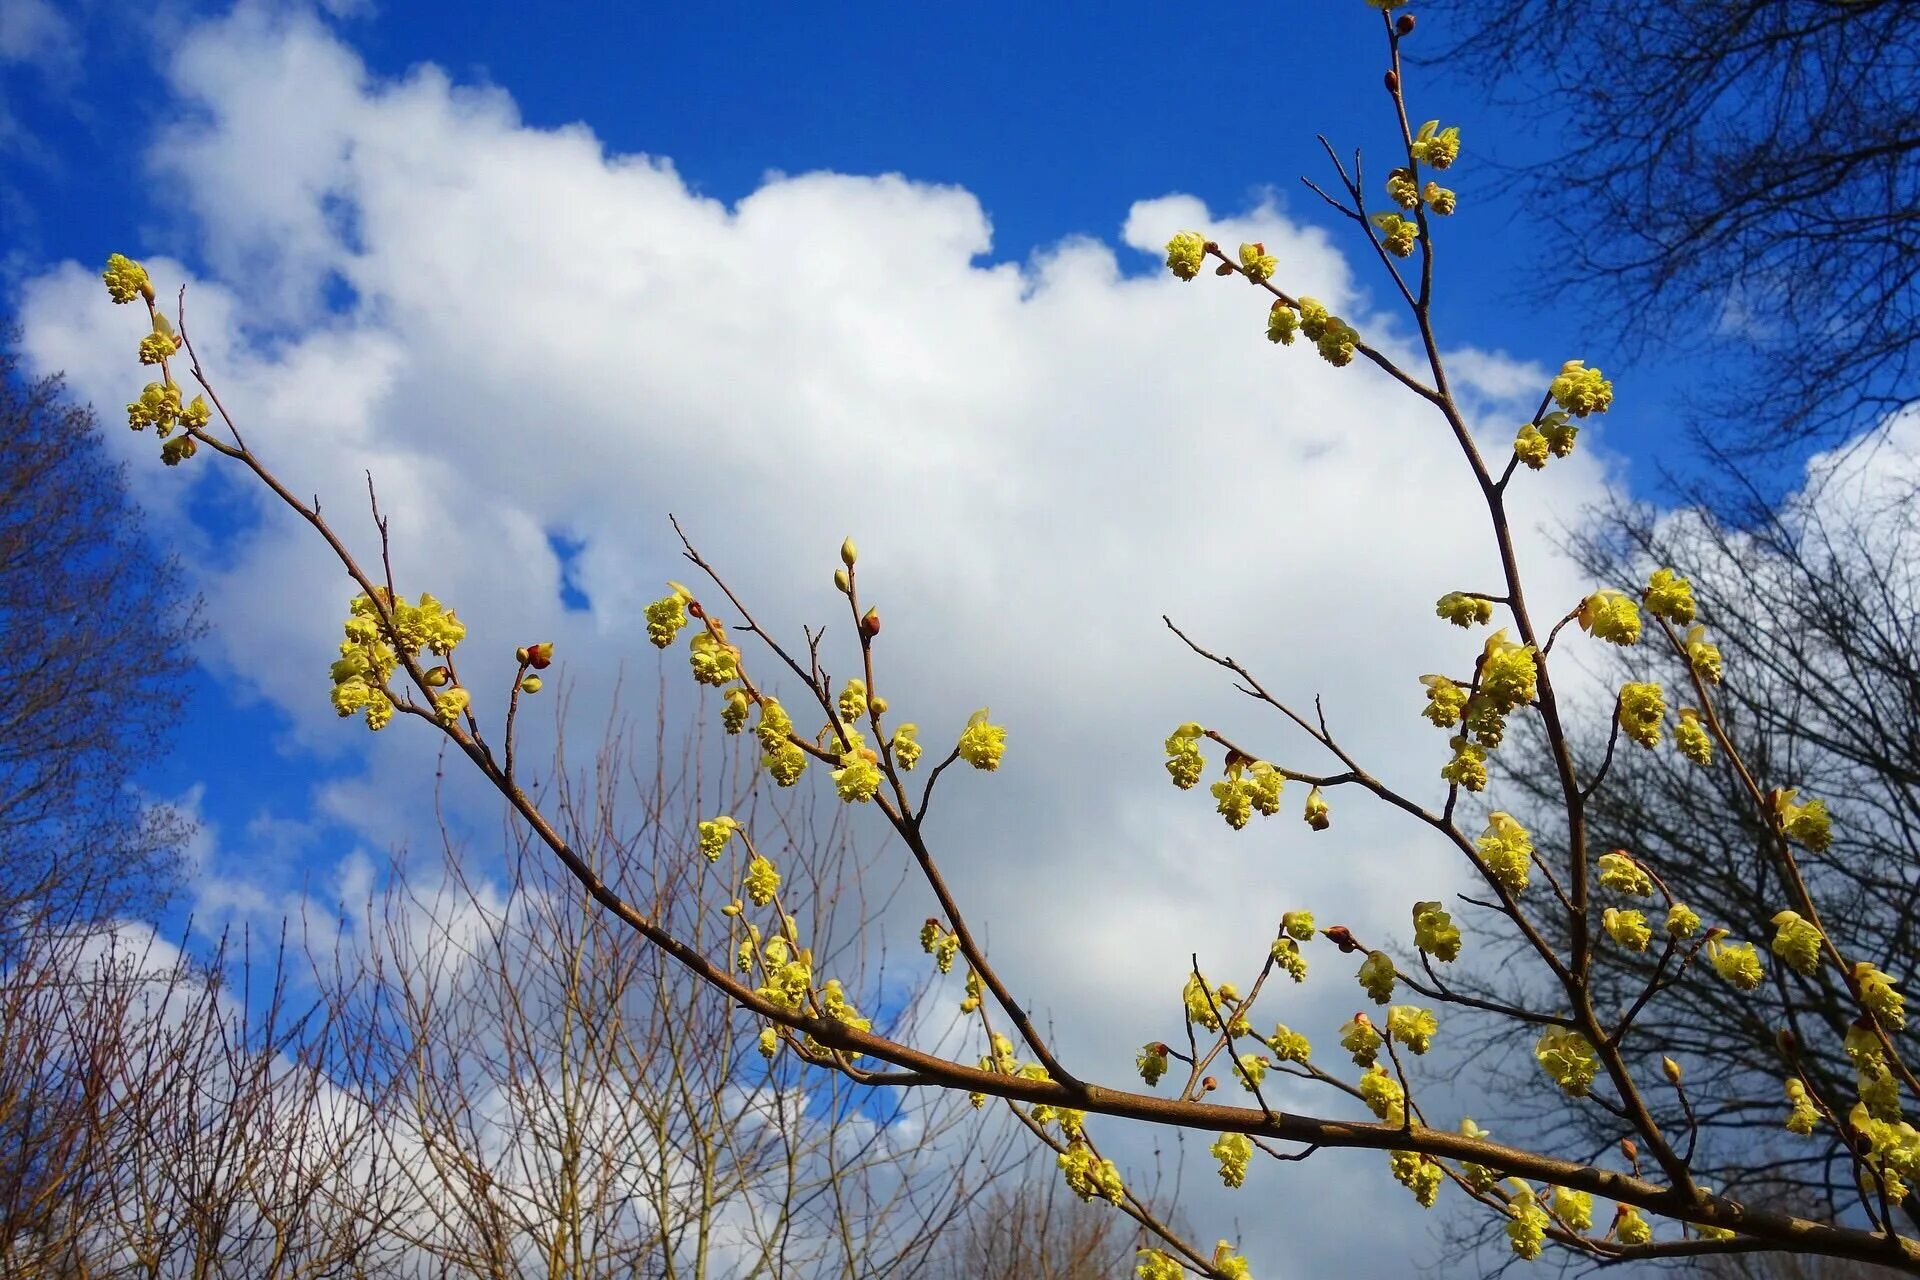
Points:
[1152,1061]
[1629,1227]
[1402,189]
[1559,432]
[1433,145]
[833,1000]
[1267,783]
[1612,616]
[1682,921]
[1463,610]
[1434,931]
[1155,1265]
[1527,1223]
[1228,1265]
[1628,928]
[1695,743]
[1808,823]
[761,881]
[1419,1174]
[1383,1095]
[1888,1006]
[1445,701]
[1235,1152]
[1186,253]
[853,700]
[1185,764]
[981,744]
[1508,672]
[1257,262]
[1282,323]
[785,764]
[1316,812]
[665,617]
[1703,657]
[714,836]
[906,746]
[1441,200]
[1314,318]
[1642,709]
[1468,768]
[1580,390]
[1089,1176]
[1360,1038]
[1376,976]
[714,661]
[1252,1068]
[1797,942]
[1235,801]
[1670,596]
[769,1043]
[1574,1207]
[1738,963]
[1531,447]
[1805,1115]
[1286,954]
[1298,925]
[1398,235]
[857,780]
[1620,873]
[1199,1004]
[1568,1059]
[1412,1026]
[126,279]
[1288,1045]
[1507,849]
[1338,342]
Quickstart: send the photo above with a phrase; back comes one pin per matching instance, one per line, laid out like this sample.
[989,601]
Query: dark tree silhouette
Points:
[1743,175]
[96,632]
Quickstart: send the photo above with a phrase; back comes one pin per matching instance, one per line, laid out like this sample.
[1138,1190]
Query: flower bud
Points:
[870,622]
[849,553]
[1671,1068]
[878,704]
[438,677]
[540,656]
[1631,1151]
[1404,26]
[1393,82]
[1788,1045]
[520,656]
[842,581]
[1342,937]
[1210,1084]
[530,685]
[694,610]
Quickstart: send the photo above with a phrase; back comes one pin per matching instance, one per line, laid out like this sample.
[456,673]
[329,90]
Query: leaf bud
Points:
[1393,82]
[849,553]
[1404,26]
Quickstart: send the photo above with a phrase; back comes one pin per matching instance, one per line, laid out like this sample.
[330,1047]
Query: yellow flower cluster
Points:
[1089,1176]
[1643,707]
[1627,927]
[1186,254]
[1282,323]
[665,617]
[1682,921]
[126,279]
[1580,390]
[1507,849]
[1737,962]
[982,744]
[1670,596]
[1257,263]
[1695,743]
[1334,338]
[1419,1174]
[714,835]
[1804,1115]
[1463,610]
[1288,1045]
[1360,1038]
[1620,873]
[1434,931]
[1702,656]
[1807,824]
[1412,1026]
[1797,942]
[761,881]
[1398,235]
[1610,615]
[1376,976]
[1568,1059]
[1527,1222]
[1234,1151]
[1436,146]
[937,942]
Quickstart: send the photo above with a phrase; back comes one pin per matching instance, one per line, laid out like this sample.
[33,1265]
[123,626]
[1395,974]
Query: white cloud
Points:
[1039,460]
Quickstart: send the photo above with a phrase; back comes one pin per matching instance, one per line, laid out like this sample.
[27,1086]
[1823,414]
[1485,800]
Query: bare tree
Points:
[96,632]
[1739,174]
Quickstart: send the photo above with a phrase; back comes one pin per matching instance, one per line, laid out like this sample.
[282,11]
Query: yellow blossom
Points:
[1257,263]
[1463,610]
[1507,849]
[1805,1115]
[1580,390]
[1797,942]
[1376,976]
[1628,928]
[1282,323]
[1360,1038]
[1703,657]
[1412,1026]
[1568,1059]
[1620,873]
[1682,921]
[714,835]
[1737,962]
[1434,931]
[981,744]
[1670,596]
[665,617]
[1642,709]
[1610,615]
[1235,1152]
[1692,737]
[906,746]
[126,279]
[761,881]
[1186,253]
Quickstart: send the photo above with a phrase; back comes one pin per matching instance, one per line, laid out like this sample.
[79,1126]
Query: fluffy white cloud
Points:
[1038,458]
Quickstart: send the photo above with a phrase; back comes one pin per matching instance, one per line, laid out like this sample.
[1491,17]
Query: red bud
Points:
[1393,82]
[694,610]
[540,656]
[1405,25]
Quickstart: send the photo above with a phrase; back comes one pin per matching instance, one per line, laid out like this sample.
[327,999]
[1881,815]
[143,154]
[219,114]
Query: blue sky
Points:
[1046,455]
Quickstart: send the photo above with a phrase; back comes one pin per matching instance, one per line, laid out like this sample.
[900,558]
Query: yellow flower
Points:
[1527,1223]
[1670,596]
[1628,928]
[1629,1227]
[785,763]
[1434,931]
[1316,812]
[1463,610]
[1402,189]
[1642,709]
[1531,447]
[1298,925]
[1560,433]
[1228,1265]
[1376,976]
[1574,1207]
[1288,1045]
[1568,1059]
[1704,658]
[1580,390]
[1338,342]
[1235,1152]
[1252,1068]
[1282,323]
[1445,701]
[1695,743]
[665,617]
[1738,963]
[1152,1061]
[1412,1026]
[1441,200]
[1433,145]
[1682,921]
[1877,993]
[1199,1005]
[769,1043]
[1419,1174]
[1286,954]
[1257,262]
[1508,672]
[714,835]
[1235,801]
[853,700]
[1185,764]
[1622,874]
[1383,1095]
[1468,768]
[981,744]
[857,780]
[1797,942]
[1612,616]
[1804,1115]
[126,279]
[1398,235]
[1359,1038]
[1507,849]
[1089,1176]
[761,881]
[1186,253]
[714,661]
[1152,1264]
[906,746]
[1807,824]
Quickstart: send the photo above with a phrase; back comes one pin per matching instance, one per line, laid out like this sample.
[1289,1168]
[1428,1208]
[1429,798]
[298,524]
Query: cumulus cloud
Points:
[1039,458]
